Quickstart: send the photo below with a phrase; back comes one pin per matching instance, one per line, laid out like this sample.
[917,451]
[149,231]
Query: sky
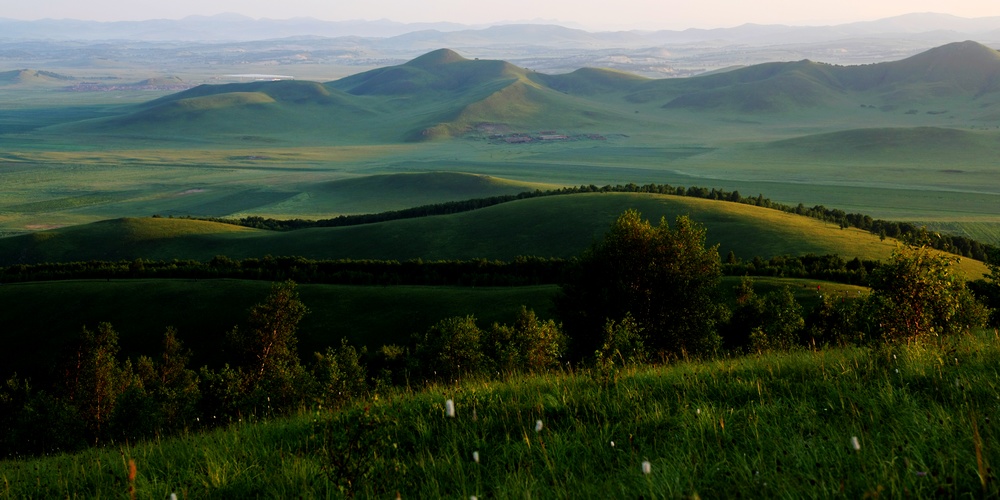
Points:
[597,14]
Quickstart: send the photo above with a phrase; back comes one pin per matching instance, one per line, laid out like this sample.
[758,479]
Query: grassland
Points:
[914,421]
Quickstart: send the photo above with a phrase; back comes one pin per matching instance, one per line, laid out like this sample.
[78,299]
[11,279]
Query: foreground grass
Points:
[772,425]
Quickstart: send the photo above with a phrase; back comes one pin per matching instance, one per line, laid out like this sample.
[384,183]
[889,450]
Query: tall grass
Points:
[906,421]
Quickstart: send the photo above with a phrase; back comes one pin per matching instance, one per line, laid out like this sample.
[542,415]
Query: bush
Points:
[916,295]
[339,375]
[528,345]
[622,344]
[766,322]
[449,349]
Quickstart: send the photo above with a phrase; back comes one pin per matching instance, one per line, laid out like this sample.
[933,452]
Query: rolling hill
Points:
[442,94]
[556,226]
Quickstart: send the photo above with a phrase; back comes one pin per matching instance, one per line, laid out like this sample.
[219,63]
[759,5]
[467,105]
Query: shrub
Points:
[339,375]
[449,349]
[916,295]
[771,321]
[528,345]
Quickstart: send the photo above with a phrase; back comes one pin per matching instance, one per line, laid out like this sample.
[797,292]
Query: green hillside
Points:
[556,226]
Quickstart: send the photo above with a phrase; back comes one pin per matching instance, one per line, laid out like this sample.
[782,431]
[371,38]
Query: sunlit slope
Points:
[557,226]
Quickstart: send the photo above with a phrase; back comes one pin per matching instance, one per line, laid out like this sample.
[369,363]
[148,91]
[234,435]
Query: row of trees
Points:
[479,272]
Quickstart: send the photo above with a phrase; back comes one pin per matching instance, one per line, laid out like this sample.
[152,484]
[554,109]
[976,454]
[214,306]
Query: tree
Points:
[268,360]
[916,295]
[93,378]
[267,347]
[665,278]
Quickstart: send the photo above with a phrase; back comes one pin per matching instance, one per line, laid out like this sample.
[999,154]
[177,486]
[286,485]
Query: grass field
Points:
[914,421]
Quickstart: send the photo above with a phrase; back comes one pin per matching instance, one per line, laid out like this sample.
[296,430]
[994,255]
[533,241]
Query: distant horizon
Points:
[584,14]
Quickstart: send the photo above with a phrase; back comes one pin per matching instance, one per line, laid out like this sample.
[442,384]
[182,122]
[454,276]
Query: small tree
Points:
[268,361]
[665,278]
[93,378]
[917,295]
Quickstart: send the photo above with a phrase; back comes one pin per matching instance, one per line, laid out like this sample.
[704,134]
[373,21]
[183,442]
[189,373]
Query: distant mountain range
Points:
[443,95]
[233,27]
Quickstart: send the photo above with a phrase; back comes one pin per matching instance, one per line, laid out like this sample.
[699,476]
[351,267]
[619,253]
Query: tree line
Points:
[958,245]
[522,271]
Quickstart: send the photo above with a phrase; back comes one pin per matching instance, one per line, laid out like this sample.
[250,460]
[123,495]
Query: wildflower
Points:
[475,456]
[173,496]
[449,408]
[855,443]
[538,426]
[612,444]
[647,467]
[698,411]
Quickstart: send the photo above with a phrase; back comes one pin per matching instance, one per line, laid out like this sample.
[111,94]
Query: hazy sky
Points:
[603,14]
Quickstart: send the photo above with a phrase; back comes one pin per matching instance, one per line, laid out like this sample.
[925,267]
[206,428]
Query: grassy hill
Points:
[556,226]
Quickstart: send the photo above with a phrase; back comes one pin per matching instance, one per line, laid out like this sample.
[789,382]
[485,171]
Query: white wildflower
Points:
[449,408]
[475,456]
[855,443]
[647,467]
[538,426]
